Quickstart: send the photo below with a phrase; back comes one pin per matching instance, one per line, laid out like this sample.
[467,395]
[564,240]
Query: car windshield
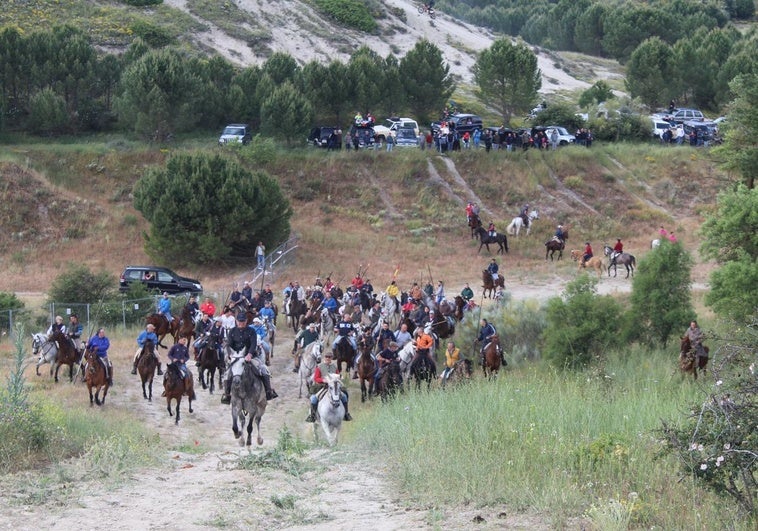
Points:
[406,133]
[240,131]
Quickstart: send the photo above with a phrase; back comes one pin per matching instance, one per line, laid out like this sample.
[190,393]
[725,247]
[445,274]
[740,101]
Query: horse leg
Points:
[91,398]
[168,405]
[259,439]
[249,441]
[105,393]
[363,389]
[144,391]
[235,428]
[97,397]
[150,389]
[211,376]
[190,405]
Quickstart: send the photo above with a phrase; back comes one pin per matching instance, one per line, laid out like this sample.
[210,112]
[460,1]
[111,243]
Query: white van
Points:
[391,125]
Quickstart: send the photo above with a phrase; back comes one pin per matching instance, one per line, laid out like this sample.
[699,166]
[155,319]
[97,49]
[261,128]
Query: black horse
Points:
[474,223]
[423,370]
[390,382]
[485,240]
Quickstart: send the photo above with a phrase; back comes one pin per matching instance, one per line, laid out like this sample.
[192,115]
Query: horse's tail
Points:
[634,260]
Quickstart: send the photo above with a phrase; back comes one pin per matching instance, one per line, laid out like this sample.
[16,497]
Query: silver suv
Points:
[234,133]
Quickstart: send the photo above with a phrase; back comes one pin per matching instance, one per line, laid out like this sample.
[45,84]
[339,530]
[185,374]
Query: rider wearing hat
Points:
[322,369]
[559,235]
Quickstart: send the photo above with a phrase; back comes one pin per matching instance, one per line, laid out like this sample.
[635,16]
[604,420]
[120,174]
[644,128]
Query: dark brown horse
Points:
[390,382]
[344,353]
[95,377]
[474,223]
[146,366]
[187,325]
[442,326]
[174,387]
[210,359]
[556,244]
[423,370]
[462,371]
[163,327]
[460,304]
[294,309]
[489,285]
[67,354]
[491,359]
[689,360]
[366,370]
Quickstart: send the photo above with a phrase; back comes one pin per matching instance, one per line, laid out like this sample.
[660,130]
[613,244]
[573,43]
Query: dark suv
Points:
[462,123]
[319,137]
[159,279]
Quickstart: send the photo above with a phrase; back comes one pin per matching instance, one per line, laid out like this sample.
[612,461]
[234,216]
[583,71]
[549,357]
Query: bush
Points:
[79,284]
[140,3]
[350,13]
[153,34]
[560,114]
[47,112]
[581,326]
[621,127]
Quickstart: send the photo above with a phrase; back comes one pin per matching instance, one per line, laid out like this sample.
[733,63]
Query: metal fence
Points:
[275,265]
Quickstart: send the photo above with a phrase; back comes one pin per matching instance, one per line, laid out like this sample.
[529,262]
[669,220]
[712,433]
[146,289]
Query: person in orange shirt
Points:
[424,345]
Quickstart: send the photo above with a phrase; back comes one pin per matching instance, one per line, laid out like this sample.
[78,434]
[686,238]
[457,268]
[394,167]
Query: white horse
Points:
[326,334]
[331,410]
[515,227]
[46,349]
[655,243]
[406,357]
[311,358]
[390,311]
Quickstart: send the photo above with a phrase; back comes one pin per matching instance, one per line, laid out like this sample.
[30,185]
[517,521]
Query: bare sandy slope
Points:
[299,31]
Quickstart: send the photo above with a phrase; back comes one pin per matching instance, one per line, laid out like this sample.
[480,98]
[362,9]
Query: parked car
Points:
[564,137]
[365,135]
[235,133]
[406,137]
[660,126]
[319,136]
[462,123]
[392,125]
[685,115]
[159,279]
[705,132]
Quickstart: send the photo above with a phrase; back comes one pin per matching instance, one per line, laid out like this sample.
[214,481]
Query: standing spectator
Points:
[260,254]
[440,292]
[477,137]
[429,140]
[554,138]
[487,140]
[348,141]
[467,140]
[390,142]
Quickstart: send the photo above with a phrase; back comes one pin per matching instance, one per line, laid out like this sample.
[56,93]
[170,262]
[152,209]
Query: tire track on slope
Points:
[460,182]
[643,184]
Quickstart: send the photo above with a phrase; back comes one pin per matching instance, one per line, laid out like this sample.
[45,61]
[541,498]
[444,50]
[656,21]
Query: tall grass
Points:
[564,444]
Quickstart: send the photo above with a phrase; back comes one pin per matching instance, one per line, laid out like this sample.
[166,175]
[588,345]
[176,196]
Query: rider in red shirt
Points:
[619,247]
[357,282]
[587,252]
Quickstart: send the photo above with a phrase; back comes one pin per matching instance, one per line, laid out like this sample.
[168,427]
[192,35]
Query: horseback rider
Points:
[367,287]
[491,232]
[357,282]
[56,326]
[74,331]
[559,234]
[208,307]
[486,332]
[345,329]
[304,337]
[388,355]
[617,250]
[328,285]
[328,366]
[267,294]
[267,312]
[695,336]
[247,293]
[469,211]
[216,336]
[452,355]
[439,293]
[202,331]
[148,334]
[524,214]
[587,252]
[415,292]
[262,332]
[235,297]
[403,336]
[164,307]
[331,305]
[317,293]
[178,354]
[100,344]
[394,292]
[492,269]
[192,307]
[467,293]
[424,346]
[368,341]
[243,343]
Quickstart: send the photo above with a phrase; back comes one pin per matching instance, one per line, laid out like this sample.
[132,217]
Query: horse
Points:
[405,356]
[248,400]
[311,357]
[328,322]
[344,353]
[187,325]
[366,371]
[491,361]
[654,244]
[462,371]
[209,359]
[294,309]
[443,326]
[460,304]
[489,285]
[518,222]
[391,381]
[163,327]
[146,366]
[474,222]
[556,244]
[625,259]
[271,336]
[485,240]
[390,311]
[174,388]
[689,360]
[46,350]
[95,376]
[595,262]
[331,410]
[424,370]
[63,353]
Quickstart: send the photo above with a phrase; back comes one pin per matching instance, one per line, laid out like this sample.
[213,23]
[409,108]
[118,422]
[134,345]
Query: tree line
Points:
[54,82]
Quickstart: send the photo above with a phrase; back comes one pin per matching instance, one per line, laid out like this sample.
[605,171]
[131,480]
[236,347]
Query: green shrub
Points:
[153,34]
[47,112]
[621,127]
[140,3]
[350,13]
[79,284]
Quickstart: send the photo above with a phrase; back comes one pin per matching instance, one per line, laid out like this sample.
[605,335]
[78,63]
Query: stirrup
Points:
[226,399]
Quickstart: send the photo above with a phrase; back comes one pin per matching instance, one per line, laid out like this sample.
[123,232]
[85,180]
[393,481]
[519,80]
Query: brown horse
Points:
[163,327]
[366,370]
[491,358]
[344,353]
[186,325]
[67,354]
[174,387]
[390,382]
[442,326]
[689,360]
[474,223]
[460,304]
[95,376]
[146,366]
[555,244]
[462,371]
[489,285]
[595,262]
[210,359]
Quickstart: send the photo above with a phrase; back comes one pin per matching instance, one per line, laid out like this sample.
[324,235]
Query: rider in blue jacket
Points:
[164,307]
